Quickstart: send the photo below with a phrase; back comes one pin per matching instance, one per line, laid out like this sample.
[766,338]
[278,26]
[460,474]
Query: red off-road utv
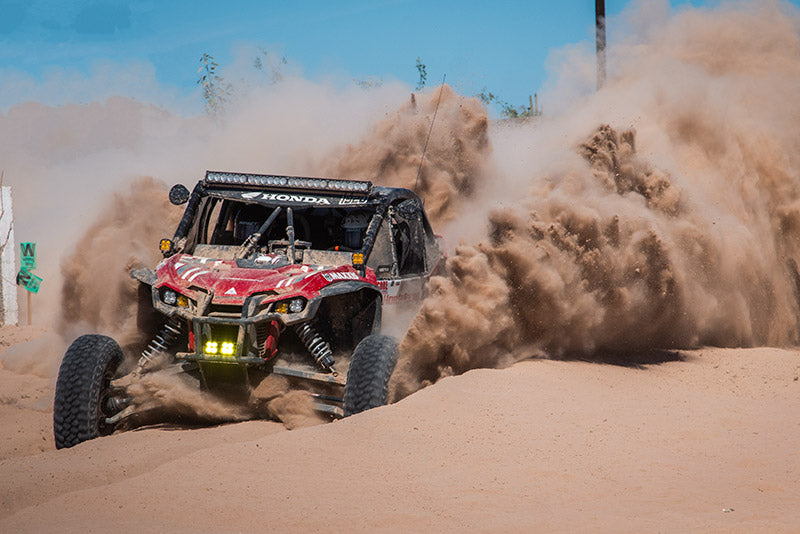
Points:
[266,275]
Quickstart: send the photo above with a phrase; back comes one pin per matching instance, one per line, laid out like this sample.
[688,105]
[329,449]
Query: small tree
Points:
[269,64]
[508,111]
[423,74]
[216,91]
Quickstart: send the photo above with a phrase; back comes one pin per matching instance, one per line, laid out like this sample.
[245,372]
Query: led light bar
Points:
[289,182]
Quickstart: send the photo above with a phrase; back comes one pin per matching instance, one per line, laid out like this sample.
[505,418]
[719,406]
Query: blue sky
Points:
[498,45]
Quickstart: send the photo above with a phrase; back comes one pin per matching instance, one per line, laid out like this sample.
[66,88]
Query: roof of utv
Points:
[306,191]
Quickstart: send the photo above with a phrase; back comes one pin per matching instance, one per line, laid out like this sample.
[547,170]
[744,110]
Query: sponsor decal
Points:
[304,198]
[401,291]
[287,197]
[346,201]
[330,277]
[231,291]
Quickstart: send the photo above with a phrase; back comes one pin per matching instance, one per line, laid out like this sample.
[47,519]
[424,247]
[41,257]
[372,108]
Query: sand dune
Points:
[670,445]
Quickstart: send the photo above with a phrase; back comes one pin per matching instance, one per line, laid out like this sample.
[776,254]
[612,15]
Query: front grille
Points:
[224,310]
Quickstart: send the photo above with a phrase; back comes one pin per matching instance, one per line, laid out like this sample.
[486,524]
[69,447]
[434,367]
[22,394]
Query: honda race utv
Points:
[265,275]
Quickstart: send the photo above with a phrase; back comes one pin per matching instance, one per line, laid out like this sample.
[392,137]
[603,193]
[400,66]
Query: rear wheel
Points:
[371,367]
[83,397]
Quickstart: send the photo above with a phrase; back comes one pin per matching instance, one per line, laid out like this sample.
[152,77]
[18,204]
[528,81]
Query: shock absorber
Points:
[318,347]
[161,343]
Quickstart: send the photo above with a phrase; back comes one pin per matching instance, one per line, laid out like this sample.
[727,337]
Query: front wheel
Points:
[83,390]
[368,377]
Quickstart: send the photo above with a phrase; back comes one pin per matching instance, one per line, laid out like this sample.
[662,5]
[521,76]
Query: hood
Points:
[232,281]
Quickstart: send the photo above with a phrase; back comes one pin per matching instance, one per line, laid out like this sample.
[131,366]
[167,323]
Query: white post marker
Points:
[8,270]
[26,278]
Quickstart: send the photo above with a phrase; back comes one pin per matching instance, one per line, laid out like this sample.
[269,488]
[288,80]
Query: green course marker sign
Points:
[28,257]
[28,280]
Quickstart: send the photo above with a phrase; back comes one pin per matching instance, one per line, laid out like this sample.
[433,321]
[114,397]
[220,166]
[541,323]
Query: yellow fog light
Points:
[227,349]
[358,259]
[183,302]
[165,245]
[212,347]
[282,307]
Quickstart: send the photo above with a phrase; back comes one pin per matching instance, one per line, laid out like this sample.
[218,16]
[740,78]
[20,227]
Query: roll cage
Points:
[393,233]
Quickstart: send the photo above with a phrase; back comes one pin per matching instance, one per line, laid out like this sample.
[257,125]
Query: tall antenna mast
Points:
[600,28]
[425,148]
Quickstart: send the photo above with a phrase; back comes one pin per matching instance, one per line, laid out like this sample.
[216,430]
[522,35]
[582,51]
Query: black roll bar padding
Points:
[269,221]
[253,239]
[290,233]
[191,209]
[372,231]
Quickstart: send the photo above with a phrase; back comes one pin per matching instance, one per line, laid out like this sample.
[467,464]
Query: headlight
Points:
[173,298]
[170,297]
[294,305]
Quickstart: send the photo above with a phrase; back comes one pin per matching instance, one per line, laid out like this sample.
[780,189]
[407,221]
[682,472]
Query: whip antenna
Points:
[425,148]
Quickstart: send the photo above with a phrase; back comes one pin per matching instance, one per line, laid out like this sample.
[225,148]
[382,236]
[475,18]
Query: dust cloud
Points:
[455,157]
[125,234]
[98,294]
[165,396]
[675,227]
[660,212]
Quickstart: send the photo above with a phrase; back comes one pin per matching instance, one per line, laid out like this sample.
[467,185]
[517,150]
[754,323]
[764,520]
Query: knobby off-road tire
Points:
[83,383]
[368,377]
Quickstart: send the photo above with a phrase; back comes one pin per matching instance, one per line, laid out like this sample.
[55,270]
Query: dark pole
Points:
[600,25]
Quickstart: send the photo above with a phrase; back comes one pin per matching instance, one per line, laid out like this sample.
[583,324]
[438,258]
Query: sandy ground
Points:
[705,440]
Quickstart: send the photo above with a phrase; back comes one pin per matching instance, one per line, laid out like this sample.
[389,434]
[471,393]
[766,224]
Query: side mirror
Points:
[178,194]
